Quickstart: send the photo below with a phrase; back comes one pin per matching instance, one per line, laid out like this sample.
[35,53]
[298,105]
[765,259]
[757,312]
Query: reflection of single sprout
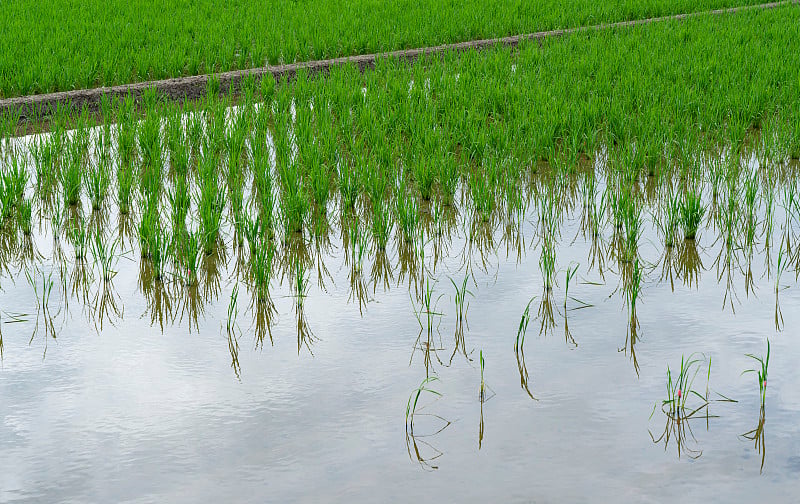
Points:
[428,310]
[461,315]
[43,291]
[232,331]
[757,436]
[519,351]
[484,396]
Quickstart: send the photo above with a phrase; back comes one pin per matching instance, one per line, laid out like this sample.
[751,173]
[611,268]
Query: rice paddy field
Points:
[558,273]
[58,45]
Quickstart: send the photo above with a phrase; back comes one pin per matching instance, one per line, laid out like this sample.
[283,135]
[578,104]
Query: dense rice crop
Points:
[617,126]
[59,45]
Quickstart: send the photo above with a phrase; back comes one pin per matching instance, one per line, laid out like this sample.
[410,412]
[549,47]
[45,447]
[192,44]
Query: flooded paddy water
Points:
[441,368]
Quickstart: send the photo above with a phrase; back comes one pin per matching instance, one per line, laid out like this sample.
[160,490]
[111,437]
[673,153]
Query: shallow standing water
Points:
[139,413]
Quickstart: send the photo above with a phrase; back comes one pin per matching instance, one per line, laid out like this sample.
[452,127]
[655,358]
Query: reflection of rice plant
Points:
[188,253]
[233,309]
[670,219]
[43,292]
[300,283]
[126,178]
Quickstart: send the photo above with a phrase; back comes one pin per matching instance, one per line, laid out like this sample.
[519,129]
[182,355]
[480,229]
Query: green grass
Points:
[62,44]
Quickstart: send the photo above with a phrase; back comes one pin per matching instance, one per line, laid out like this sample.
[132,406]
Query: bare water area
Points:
[530,351]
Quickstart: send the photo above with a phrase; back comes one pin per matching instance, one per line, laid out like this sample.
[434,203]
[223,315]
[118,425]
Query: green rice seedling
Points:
[103,253]
[98,180]
[381,224]
[149,226]
[45,154]
[349,186]
[72,174]
[158,253]
[407,216]
[16,180]
[210,204]
[261,265]
[24,217]
[78,236]
[571,272]
[179,154]
[300,283]
[126,179]
[252,233]
[189,253]
[7,201]
[482,196]
[424,177]
[761,372]
[236,198]
[678,414]
[320,184]
[150,145]
[634,287]
[679,389]
[56,221]
[671,214]
[180,202]
[294,203]
[449,178]
[692,212]
[413,400]
[523,325]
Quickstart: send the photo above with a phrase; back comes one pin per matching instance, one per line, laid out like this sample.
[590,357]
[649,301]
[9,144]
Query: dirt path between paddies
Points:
[40,107]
